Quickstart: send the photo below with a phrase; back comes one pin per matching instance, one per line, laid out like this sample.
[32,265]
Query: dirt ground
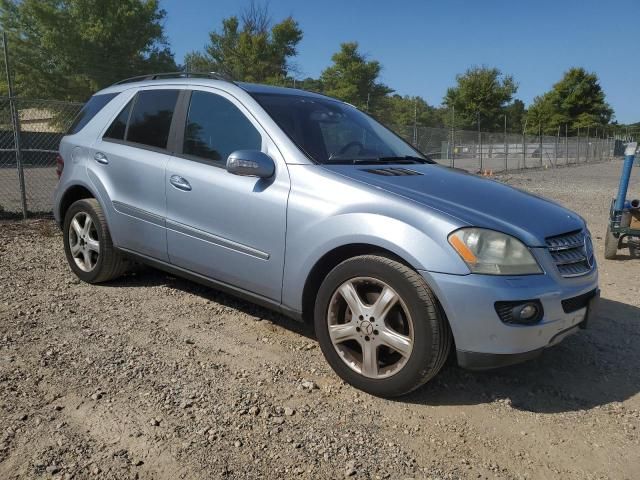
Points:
[152,376]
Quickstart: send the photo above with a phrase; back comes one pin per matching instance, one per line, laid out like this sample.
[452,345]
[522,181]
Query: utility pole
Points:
[15,122]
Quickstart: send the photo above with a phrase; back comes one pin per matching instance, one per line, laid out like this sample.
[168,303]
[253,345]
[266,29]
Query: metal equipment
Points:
[624,215]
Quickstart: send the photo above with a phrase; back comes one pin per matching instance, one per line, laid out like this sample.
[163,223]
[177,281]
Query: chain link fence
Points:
[487,152]
[30,133]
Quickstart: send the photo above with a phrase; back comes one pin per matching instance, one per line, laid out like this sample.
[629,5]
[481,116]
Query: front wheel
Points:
[380,326]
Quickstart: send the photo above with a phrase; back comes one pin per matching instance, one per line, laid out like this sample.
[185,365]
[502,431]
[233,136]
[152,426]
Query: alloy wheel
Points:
[370,327]
[83,242]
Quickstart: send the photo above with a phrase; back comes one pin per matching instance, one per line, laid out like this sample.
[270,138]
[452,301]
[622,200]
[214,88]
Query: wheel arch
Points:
[72,194]
[330,260]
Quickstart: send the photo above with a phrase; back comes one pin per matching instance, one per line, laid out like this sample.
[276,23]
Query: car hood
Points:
[473,200]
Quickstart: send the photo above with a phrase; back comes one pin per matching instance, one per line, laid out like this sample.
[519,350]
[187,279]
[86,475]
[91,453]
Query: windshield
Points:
[329,131]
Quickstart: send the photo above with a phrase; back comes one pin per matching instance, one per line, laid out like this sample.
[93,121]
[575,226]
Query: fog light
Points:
[523,312]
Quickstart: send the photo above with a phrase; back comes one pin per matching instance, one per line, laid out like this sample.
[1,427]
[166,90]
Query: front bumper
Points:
[482,339]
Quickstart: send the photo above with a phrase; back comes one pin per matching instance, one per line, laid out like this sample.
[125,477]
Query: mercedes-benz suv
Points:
[306,205]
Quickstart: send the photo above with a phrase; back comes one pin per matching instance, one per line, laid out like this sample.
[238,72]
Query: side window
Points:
[118,127]
[90,110]
[215,128]
[151,117]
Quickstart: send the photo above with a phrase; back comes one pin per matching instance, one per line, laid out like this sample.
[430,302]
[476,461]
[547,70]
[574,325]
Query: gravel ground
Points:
[152,376]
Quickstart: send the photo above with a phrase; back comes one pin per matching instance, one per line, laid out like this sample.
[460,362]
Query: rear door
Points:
[130,160]
[226,227]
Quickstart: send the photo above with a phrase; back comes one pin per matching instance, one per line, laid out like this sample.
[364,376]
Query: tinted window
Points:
[151,117]
[90,109]
[215,128]
[329,131]
[119,125]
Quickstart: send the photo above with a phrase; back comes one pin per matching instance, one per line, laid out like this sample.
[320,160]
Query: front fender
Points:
[306,247]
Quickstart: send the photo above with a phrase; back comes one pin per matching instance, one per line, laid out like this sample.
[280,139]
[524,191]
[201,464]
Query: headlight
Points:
[493,253]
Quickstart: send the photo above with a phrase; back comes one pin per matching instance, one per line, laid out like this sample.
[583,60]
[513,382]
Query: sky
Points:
[423,45]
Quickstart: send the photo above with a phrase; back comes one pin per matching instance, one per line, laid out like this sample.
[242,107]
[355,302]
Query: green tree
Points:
[309,83]
[68,49]
[249,48]
[353,78]
[577,100]
[516,114]
[399,111]
[483,92]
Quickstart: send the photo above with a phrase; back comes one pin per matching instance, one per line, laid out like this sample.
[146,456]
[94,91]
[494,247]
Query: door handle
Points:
[180,183]
[101,158]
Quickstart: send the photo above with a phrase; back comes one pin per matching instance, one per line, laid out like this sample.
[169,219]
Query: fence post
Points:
[15,124]
[480,142]
[540,135]
[588,154]
[506,145]
[453,137]
[566,144]
[555,149]
[578,147]
[524,148]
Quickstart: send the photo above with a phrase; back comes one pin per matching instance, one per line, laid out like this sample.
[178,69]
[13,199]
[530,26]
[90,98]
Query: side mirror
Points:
[250,163]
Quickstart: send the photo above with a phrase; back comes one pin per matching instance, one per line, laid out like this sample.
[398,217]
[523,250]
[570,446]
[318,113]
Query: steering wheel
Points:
[349,145]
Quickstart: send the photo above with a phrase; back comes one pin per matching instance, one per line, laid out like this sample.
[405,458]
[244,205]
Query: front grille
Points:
[574,304]
[572,253]
[504,310]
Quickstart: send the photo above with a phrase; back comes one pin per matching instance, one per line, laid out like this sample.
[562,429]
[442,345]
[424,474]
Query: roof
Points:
[213,79]
[261,88]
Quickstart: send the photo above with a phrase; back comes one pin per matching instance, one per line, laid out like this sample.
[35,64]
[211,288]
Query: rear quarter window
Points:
[150,120]
[90,110]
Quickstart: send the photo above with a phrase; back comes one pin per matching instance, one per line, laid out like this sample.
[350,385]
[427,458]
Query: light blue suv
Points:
[308,206]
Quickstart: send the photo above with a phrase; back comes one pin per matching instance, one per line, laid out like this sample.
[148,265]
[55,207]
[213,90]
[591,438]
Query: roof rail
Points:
[160,76]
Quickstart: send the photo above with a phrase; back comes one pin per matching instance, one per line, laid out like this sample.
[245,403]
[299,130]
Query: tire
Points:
[414,319]
[610,245]
[104,262]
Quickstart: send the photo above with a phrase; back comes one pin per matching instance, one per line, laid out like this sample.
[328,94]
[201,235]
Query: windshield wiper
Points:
[405,160]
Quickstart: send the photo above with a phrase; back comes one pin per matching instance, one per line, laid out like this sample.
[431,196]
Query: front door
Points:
[226,227]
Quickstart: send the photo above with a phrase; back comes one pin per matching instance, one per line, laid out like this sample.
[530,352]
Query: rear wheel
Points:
[610,245]
[87,243]
[380,327]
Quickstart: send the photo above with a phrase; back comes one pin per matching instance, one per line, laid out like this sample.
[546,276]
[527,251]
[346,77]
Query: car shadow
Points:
[595,367]
[150,277]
